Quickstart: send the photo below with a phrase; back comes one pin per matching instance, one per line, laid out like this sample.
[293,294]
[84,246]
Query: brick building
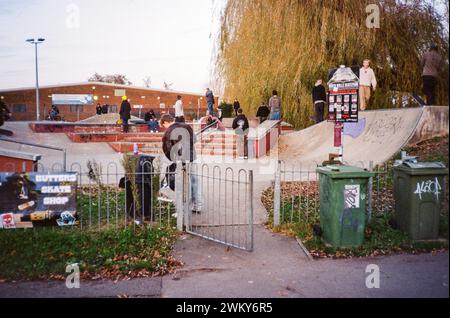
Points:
[22,101]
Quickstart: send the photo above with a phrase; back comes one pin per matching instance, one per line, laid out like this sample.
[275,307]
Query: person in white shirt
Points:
[367,80]
[179,113]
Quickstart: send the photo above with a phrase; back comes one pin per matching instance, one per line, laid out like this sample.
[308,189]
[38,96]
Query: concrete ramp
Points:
[377,136]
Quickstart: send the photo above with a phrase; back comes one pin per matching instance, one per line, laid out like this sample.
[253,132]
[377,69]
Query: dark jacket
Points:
[319,93]
[263,111]
[149,115]
[104,109]
[241,122]
[210,97]
[125,110]
[167,144]
[98,110]
[236,105]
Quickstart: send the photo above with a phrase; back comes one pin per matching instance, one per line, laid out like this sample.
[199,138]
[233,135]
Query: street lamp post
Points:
[36,42]
[198,109]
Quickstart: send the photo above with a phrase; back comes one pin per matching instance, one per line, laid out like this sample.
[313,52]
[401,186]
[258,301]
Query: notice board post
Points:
[343,99]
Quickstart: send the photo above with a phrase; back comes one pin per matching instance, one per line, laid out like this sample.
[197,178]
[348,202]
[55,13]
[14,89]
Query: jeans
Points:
[429,88]
[125,125]
[242,145]
[210,108]
[153,126]
[275,116]
[195,190]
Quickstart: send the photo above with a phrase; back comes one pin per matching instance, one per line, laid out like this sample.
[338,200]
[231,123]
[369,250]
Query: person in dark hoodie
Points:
[236,106]
[125,113]
[174,134]
[263,113]
[241,128]
[98,109]
[105,109]
[319,96]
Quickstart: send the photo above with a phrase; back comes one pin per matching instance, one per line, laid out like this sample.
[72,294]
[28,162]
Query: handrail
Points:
[40,146]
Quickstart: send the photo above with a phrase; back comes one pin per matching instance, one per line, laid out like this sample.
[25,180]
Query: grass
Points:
[104,206]
[110,253]
[108,245]
[300,212]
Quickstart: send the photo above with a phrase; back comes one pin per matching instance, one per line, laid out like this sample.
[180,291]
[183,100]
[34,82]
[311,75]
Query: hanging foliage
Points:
[288,44]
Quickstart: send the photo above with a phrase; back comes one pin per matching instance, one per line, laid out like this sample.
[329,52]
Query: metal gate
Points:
[217,204]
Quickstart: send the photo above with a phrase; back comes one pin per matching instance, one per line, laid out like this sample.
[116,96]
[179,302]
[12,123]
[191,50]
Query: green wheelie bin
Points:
[343,197]
[418,194]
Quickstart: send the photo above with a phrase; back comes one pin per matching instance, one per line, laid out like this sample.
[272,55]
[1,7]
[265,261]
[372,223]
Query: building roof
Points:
[99,83]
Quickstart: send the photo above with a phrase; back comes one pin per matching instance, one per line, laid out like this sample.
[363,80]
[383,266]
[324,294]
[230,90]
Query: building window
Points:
[19,108]
[76,108]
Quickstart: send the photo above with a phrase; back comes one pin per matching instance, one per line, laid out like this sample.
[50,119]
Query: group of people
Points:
[53,114]
[101,109]
[431,64]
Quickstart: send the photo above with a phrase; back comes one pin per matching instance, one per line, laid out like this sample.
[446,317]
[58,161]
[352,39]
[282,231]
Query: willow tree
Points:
[288,44]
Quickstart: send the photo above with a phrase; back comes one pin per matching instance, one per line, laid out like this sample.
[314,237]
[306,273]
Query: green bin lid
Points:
[344,172]
[423,168]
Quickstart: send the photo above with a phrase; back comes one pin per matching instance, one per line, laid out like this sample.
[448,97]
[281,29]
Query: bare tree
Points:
[168,86]
[119,79]
[147,81]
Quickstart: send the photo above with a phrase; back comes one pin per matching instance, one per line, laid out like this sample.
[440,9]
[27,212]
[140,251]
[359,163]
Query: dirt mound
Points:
[110,118]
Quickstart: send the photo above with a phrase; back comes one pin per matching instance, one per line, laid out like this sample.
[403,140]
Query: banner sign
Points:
[72,99]
[36,199]
[343,102]
[120,92]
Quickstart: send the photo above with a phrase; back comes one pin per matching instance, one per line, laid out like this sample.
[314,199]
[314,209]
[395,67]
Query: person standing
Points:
[179,113]
[263,113]
[105,109]
[98,109]
[125,113]
[319,96]
[367,81]
[236,106]
[210,101]
[241,128]
[185,153]
[275,106]
[5,114]
[431,66]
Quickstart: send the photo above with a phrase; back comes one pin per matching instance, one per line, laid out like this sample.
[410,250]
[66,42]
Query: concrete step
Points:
[214,152]
[128,146]
[143,139]
[216,146]
[81,137]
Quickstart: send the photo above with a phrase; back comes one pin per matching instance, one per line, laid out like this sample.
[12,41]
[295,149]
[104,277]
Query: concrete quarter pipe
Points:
[377,136]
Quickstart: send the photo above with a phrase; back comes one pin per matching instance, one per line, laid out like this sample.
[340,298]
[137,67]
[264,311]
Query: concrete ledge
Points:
[19,154]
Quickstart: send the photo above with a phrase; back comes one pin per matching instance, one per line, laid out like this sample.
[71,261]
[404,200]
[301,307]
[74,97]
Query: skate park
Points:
[224,149]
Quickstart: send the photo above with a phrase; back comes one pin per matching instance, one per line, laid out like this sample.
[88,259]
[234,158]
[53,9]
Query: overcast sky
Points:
[168,40]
